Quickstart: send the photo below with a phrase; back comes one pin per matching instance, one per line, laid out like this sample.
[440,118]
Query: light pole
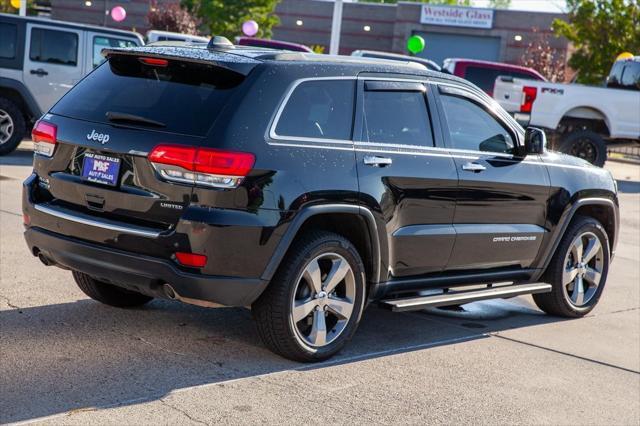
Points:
[336,25]
[23,8]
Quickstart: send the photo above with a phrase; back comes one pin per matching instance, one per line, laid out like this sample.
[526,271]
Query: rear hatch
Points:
[105,129]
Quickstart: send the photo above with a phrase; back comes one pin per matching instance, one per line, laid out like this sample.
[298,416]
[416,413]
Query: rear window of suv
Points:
[180,97]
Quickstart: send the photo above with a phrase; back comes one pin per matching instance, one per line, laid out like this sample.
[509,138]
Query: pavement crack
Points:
[142,339]
[11,213]
[615,312]
[11,305]
[533,345]
[183,412]
[147,342]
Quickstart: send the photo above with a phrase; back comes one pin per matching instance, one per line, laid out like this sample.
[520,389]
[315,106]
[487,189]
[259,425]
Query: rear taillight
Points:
[528,96]
[201,166]
[44,136]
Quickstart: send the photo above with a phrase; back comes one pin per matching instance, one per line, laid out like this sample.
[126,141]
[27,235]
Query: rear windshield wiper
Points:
[131,118]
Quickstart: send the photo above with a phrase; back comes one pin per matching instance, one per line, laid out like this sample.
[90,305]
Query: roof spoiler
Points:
[233,62]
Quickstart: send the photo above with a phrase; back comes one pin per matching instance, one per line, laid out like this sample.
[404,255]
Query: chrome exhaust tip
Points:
[45,260]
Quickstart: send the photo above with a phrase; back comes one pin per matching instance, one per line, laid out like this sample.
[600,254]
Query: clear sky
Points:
[535,5]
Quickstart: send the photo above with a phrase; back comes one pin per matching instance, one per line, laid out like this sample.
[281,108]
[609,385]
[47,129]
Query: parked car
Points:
[40,60]
[154,36]
[312,186]
[484,73]
[581,120]
[431,65]
[272,44]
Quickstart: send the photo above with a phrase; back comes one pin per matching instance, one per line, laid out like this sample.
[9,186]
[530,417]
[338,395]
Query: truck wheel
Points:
[312,306]
[578,270]
[587,145]
[107,293]
[12,126]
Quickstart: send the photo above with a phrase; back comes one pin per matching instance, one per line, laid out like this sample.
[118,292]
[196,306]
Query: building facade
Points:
[449,31]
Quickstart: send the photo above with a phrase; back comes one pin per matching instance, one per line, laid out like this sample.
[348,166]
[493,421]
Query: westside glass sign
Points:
[457,16]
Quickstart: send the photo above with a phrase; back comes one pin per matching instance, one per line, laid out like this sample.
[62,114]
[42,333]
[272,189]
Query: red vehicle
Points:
[272,44]
[484,73]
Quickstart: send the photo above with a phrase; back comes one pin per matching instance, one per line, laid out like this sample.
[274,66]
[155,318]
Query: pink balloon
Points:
[118,13]
[250,28]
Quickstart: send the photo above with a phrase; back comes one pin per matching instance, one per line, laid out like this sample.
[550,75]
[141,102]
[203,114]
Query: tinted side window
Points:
[397,117]
[484,78]
[319,109]
[615,76]
[54,47]
[9,37]
[100,42]
[473,128]
[631,75]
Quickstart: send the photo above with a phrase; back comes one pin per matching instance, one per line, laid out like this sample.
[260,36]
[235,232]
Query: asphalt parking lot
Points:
[65,359]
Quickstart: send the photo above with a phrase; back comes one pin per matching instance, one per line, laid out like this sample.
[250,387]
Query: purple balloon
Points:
[250,28]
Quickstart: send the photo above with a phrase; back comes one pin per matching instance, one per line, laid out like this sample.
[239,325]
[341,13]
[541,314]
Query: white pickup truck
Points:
[579,119]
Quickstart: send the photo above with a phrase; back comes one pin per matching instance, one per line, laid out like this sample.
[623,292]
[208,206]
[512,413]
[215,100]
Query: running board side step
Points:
[462,297]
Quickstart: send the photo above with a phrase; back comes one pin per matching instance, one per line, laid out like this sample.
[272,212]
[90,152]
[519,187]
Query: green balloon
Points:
[415,44]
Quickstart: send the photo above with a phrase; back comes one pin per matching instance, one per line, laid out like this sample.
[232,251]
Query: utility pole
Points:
[336,26]
[23,7]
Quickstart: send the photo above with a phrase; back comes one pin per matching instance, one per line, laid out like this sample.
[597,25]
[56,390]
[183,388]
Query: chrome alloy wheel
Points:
[323,300]
[583,269]
[6,127]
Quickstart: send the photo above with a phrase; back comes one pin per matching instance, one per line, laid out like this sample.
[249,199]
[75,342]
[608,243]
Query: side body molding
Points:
[310,211]
[546,255]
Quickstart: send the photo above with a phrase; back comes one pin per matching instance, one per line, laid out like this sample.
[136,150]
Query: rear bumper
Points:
[139,273]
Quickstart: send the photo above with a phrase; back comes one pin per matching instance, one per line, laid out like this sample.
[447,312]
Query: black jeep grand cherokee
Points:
[305,186]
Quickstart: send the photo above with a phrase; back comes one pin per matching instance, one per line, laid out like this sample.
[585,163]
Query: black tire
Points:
[107,293]
[587,145]
[17,124]
[558,301]
[273,309]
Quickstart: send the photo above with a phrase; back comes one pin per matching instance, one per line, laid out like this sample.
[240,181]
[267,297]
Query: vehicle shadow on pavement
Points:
[84,355]
[19,157]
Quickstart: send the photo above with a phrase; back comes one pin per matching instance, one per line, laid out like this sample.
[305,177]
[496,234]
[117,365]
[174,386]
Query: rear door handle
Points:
[375,161]
[39,72]
[473,167]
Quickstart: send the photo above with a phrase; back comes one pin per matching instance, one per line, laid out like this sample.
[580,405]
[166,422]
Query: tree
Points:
[540,56]
[6,7]
[172,17]
[600,30]
[225,17]
[500,4]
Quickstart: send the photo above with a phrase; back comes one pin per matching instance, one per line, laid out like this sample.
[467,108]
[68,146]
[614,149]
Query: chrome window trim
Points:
[283,103]
[273,136]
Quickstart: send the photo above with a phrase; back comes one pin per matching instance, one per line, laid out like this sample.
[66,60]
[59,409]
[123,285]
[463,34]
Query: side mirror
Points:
[535,141]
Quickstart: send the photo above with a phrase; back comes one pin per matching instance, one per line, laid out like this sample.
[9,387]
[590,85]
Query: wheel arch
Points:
[18,93]
[598,120]
[353,222]
[605,210]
